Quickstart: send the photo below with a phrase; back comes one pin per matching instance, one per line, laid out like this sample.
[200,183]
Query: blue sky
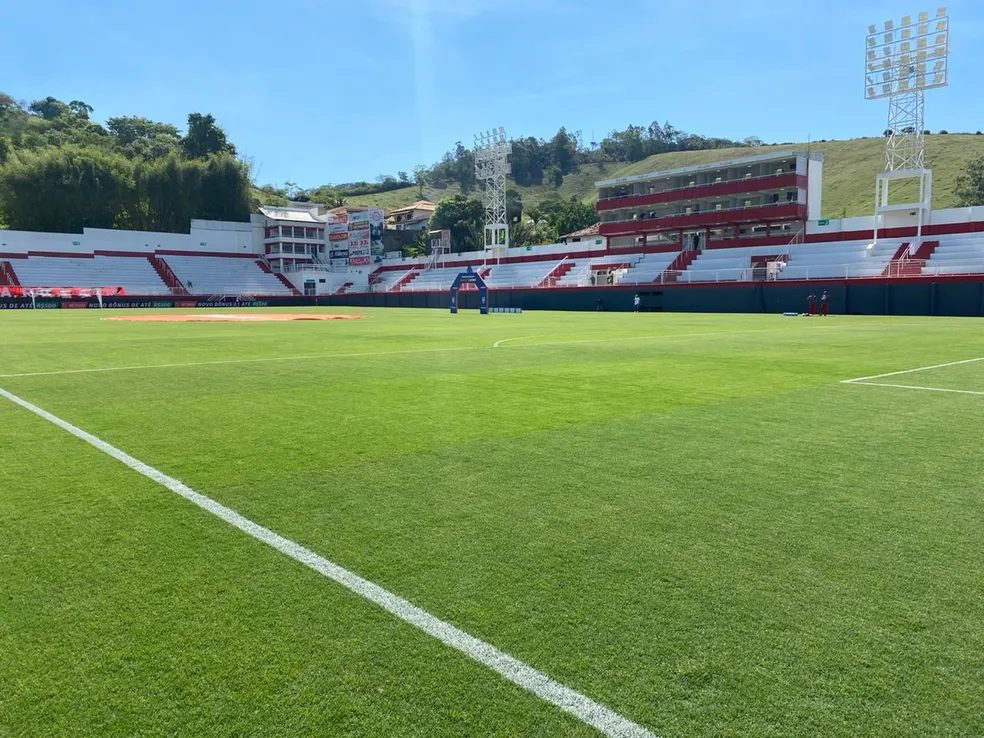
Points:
[328,91]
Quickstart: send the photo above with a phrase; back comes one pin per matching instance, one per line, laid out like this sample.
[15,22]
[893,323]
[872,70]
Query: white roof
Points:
[297,215]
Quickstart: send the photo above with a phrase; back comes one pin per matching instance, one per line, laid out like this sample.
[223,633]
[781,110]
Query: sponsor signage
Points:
[26,305]
[358,243]
[135,304]
[27,291]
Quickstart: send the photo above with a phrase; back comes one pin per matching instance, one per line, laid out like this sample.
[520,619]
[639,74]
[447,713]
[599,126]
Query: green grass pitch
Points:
[687,518]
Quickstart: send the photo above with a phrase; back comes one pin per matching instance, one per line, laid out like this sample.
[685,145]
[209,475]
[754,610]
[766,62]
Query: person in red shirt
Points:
[811,304]
[823,303]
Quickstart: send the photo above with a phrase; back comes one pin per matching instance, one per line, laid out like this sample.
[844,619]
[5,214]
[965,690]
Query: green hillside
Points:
[849,172]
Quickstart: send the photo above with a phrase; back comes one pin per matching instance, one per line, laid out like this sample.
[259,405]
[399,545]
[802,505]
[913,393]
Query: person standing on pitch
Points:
[811,304]
[635,303]
[823,303]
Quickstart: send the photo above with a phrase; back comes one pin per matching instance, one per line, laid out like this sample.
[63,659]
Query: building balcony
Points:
[754,214]
[711,190]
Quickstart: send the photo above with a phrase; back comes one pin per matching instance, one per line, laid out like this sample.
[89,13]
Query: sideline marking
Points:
[570,701]
[910,371]
[915,387]
[308,357]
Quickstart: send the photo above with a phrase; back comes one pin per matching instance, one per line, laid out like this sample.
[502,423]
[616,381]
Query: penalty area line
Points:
[910,371]
[518,672]
[915,387]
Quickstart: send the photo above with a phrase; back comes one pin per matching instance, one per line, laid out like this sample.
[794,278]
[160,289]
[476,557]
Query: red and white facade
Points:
[754,200]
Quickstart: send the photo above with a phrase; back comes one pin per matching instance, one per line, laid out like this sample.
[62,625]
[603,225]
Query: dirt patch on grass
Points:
[232,317]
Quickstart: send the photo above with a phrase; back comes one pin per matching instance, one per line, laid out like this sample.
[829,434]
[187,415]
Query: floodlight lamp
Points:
[889,25]
[923,16]
[941,12]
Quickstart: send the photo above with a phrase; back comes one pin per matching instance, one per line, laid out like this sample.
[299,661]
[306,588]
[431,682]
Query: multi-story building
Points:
[293,234]
[753,200]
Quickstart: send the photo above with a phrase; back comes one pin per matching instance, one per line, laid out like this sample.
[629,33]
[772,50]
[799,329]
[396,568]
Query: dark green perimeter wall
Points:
[868,297]
[908,297]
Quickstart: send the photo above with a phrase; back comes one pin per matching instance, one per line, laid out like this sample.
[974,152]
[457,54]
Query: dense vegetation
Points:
[60,171]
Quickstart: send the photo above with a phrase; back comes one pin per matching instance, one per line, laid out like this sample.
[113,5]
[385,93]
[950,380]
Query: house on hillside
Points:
[413,217]
[590,235]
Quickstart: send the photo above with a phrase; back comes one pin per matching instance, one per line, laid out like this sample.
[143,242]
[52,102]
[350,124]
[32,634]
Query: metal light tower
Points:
[902,61]
[492,166]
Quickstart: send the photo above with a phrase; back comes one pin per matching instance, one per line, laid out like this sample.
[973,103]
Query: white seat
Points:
[216,275]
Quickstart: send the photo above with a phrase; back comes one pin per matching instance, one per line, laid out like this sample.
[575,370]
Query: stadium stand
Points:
[213,275]
[432,279]
[133,273]
[391,280]
[648,268]
[957,255]
[524,274]
[845,259]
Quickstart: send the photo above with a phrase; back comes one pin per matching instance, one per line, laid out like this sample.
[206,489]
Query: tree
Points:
[205,137]
[465,218]
[970,184]
[420,179]
[573,215]
[49,108]
[66,189]
[563,151]
[464,167]
[514,206]
[528,159]
[129,128]
[80,109]
[6,148]
[403,178]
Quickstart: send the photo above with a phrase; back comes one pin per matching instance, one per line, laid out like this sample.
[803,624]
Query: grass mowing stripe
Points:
[915,387]
[910,371]
[309,357]
[574,703]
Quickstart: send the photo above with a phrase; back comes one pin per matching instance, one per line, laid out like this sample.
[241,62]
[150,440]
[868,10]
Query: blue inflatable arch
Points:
[470,277]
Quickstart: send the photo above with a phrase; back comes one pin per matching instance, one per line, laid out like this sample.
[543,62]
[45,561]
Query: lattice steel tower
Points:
[491,166]
[902,61]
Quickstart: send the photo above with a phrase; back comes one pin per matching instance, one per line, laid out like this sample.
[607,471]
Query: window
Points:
[791,196]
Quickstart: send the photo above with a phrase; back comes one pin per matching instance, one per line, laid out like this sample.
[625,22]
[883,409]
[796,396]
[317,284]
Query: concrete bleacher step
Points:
[683,260]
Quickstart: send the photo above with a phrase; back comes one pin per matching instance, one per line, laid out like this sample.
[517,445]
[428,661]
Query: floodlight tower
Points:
[903,61]
[492,165]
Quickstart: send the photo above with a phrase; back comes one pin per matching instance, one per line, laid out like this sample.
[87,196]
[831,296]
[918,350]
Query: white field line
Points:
[915,387]
[570,701]
[310,357]
[506,340]
[910,371]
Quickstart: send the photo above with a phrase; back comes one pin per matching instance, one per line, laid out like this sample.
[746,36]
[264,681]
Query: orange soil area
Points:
[231,317]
